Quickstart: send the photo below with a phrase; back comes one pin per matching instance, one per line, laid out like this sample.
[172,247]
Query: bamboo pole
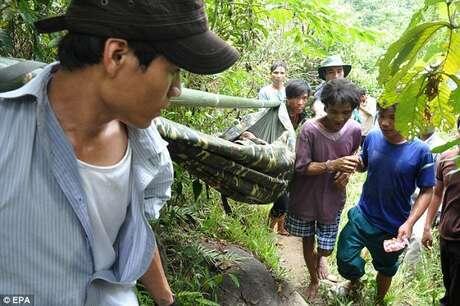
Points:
[192,97]
[12,69]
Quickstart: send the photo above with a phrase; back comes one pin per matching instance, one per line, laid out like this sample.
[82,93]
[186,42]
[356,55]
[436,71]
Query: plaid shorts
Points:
[326,233]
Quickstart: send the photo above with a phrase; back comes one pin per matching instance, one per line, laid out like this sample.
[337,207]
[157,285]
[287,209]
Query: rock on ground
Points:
[256,284]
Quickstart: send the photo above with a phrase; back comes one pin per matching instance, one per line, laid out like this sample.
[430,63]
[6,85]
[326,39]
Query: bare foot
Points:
[323,270]
[312,291]
[283,231]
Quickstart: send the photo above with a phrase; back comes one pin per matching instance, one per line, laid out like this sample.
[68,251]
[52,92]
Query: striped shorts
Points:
[326,233]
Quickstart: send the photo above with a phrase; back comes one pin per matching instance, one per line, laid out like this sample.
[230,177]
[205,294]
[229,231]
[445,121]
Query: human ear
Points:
[114,55]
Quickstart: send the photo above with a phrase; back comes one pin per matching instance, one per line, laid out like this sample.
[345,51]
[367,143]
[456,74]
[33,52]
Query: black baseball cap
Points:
[178,29]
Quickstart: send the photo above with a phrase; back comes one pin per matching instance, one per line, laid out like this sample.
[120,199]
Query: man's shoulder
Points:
[33,88]
[310,125]
[420,145]
[18,108]
[353,125]
[149,140]
[375,133]
[265,89]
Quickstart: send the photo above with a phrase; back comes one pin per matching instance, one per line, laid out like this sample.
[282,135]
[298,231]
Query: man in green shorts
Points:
[395,166]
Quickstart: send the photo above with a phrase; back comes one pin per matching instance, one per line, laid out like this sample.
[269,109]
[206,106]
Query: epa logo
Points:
[16,299]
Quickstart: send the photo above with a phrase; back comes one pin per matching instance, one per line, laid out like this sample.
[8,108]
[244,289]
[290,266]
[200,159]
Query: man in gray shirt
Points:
[119,65]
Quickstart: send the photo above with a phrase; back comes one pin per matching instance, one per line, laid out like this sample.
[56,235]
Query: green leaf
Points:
[433,51]
[416,17]
[442,111]
[234,279]
[206,302]
[452,61]
[411,101]
[431,2]
[5,42]
[179,187]
[446,146]
[27,14]
[454,99]
[197,188]
[281,15]
[403,53]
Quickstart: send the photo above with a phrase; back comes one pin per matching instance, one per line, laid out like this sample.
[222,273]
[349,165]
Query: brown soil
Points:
[290,251]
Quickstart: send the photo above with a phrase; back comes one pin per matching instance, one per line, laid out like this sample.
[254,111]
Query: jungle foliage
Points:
[421,70]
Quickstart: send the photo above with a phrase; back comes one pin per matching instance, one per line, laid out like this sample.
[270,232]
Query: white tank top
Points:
[107,190]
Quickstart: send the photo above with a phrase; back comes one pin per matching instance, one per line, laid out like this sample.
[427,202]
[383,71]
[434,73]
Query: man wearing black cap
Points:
[81,165]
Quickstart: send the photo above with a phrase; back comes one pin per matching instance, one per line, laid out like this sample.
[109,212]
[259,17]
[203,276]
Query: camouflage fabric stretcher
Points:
[241,170]
[244,171]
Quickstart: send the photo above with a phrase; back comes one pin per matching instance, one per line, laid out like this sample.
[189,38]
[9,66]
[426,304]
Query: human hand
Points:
[346,164]
[247,135]
[427,238]
[167,301]
[404,231]
[394,245]
[341,180]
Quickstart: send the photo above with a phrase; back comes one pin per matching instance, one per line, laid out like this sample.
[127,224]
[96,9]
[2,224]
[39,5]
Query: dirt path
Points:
[290,251]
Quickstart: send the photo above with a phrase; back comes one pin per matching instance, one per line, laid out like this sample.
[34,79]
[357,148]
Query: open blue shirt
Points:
[393,173]
[45,231]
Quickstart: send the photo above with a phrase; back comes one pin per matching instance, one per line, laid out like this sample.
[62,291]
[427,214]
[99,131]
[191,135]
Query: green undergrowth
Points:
[412,285]
[187,227]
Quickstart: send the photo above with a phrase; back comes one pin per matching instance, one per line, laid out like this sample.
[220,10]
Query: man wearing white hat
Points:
[331,68]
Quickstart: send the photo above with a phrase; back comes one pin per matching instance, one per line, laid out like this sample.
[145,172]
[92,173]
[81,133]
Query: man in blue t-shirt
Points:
[395,167]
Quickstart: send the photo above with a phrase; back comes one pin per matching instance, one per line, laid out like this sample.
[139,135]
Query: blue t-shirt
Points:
[393,173]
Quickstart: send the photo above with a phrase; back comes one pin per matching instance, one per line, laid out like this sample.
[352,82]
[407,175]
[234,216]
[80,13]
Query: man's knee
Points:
[350,267]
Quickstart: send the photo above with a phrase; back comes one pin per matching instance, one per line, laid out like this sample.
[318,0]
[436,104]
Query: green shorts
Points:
[357,234]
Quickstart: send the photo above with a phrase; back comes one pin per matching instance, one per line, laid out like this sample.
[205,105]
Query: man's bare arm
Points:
[427,238]
[346,164]
[420,205]
[156,283]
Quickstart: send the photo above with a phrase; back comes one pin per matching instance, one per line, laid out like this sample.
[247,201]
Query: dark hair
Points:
[340,91]
[380,108]
[277,64]
[362,92]
[458,123]
[297,88]
[76,51]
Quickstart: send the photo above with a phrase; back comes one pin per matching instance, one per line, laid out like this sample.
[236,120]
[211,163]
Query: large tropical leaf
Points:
[408,115]
[452,61]
[455,99]
[442,111]
[446,146]
[402,54]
